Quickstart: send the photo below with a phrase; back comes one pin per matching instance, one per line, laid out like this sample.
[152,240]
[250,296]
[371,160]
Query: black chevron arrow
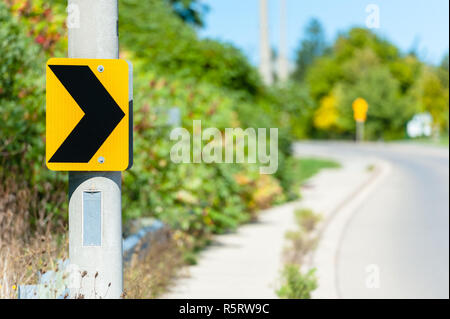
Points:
[101,114]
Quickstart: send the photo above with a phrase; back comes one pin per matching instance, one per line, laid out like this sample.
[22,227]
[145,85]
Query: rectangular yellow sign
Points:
[88,115]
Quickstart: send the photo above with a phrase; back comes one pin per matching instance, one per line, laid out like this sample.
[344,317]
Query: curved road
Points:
[399,236]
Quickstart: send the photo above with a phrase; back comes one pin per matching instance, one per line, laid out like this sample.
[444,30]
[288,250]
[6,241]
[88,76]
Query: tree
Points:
[443,72]
[312,46]
[361,64]
[190,11]
[444,63]
[389,110]
[434,98]
[163,43]
[326,115]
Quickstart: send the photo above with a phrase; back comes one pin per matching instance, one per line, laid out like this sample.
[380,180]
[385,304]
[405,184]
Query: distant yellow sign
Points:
[88,115]
[360,108]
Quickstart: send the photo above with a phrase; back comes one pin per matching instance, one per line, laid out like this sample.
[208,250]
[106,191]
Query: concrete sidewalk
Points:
[247,264]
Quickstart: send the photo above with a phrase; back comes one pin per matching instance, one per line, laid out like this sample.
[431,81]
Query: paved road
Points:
[401,231]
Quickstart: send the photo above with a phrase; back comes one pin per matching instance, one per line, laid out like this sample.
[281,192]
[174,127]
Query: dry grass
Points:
[302,241]
[31,243]
[151,270]
[27,241]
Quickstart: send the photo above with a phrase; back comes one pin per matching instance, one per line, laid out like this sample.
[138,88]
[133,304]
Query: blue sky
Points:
[407,23]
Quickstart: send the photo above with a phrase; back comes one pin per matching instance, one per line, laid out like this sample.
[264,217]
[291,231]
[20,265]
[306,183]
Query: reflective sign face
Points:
[88,115]
[360,108]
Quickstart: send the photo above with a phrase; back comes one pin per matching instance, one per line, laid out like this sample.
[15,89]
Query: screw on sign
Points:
[360,108]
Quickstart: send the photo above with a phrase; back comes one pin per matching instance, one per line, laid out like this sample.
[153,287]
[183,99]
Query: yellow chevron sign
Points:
[88,115]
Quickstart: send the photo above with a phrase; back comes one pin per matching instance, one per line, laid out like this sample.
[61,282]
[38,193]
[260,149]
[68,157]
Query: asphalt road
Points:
[396,244]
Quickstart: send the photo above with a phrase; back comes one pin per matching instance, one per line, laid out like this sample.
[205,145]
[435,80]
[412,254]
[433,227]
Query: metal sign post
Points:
[104,117]
[359,131]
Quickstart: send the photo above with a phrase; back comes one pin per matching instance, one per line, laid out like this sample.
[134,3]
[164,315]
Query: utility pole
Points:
[265,67]
[95,217]
[283,63]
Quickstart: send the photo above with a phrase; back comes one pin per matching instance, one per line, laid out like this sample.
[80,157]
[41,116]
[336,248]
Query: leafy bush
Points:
[297,285]
[206,80]
[197,198]
[22,113]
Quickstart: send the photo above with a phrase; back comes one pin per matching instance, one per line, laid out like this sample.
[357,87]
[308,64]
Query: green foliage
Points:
[207,80]
[168,46]
[361,64]
[297,285]
[307,220]
[433,93]
[44,22]
[312,46]
[295,109]
[190,11]
[197,198]
[388,109]
[22,114]
[297,171]
[21,96]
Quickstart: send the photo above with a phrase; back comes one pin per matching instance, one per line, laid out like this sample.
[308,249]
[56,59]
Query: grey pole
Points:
[359,131]
[265,66]
[283,62]
[95,217]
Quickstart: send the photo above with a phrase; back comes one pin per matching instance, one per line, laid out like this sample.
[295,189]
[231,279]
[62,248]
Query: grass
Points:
[308,167]
[29,242]
[302,169]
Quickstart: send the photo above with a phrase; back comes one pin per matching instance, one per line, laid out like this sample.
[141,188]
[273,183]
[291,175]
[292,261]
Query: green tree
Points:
[190,11]
[312,46]
[433,98]
[389,110]
[160,41]
[444,63]
[443,72]
[21,94]
[362,64]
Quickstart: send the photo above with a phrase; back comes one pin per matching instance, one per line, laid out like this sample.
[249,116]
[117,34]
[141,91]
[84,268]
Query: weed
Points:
[149,272]
[29,242]
[297,285]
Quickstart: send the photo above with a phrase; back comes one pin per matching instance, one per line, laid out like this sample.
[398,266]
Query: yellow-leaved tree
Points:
[326,115]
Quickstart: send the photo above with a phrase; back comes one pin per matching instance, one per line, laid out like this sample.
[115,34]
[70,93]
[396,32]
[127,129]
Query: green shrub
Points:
[205,79]
[307,219]
[297,285]
[22,114]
